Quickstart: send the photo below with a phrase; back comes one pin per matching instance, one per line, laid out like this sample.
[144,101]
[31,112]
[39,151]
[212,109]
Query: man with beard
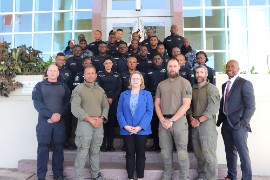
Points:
[173,97]
[189,53]
[85,51]
[202,117]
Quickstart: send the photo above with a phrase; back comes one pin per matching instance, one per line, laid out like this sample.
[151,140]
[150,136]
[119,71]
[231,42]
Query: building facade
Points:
[225,29]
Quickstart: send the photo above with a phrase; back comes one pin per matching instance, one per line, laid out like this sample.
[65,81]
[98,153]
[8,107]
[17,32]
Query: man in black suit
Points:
[236,109]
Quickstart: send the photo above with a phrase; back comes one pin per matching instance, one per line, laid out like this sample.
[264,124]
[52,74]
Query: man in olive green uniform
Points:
[89,104]
[202,116]
[173,97]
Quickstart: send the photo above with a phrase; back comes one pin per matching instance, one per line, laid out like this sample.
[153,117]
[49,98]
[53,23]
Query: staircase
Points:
[112,165]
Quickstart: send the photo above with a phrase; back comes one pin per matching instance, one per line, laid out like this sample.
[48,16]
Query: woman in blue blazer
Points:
[134,114]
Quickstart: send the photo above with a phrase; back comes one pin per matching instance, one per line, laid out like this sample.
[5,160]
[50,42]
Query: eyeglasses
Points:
[176,51]
[135,79]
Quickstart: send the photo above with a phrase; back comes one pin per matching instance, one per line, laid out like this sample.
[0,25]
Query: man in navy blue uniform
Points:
[121,59]
[174,40]
[144,63]
[125,76]
[98,59]
[155,75]
[65,77]
[74,63]
[51,100]
[93,46]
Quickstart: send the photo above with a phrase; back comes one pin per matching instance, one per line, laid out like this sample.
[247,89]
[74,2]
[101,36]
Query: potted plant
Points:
[22,60]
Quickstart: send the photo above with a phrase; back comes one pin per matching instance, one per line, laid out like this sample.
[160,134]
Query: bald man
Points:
[237,107]
[51,100]
[174,40]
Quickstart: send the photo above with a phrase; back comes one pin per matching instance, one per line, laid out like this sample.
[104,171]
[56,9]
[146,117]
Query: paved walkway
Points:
[13,174]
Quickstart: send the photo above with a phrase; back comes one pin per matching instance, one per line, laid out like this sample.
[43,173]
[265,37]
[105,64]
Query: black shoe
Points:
[174,148]
[154,148]
[110,148]
[41,178]
[103,148]
[99,177]
[59,177]
[190,149]
[72,147]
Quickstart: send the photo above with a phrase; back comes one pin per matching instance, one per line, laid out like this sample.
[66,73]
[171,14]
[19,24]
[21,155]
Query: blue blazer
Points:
[143,115]
[240,104]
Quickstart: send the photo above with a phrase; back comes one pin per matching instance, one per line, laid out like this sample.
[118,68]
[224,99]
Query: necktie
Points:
[227,95]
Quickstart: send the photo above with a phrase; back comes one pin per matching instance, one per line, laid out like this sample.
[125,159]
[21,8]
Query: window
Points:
[195,38]
[63,21]
[157,4]
[214,18]
[43,22]
[193,18]
[61,41]
[214,3]
[215,40]
[83,4]
[193,3]
[43,42]
[6,22]
[24,5]
[6,6]
[83,20]
[23,22]
[63,4]
[123,4]
[42,5]
[21,39]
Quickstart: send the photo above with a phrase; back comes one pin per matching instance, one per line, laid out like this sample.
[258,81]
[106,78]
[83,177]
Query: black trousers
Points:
[135,145]
[109,125]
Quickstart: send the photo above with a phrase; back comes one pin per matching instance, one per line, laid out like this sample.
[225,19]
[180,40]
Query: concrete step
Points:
[115,170]
[119,156]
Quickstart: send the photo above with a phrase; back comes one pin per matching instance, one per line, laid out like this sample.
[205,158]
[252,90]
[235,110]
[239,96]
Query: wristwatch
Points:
[171,120]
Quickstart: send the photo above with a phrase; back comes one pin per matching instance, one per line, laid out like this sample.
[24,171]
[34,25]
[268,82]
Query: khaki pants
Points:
[204,139]
[179,134]
[88,145]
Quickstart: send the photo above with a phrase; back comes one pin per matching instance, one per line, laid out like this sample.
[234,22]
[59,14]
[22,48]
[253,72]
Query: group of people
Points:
[146,91]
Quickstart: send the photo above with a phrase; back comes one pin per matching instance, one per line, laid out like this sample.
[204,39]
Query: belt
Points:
[168,115]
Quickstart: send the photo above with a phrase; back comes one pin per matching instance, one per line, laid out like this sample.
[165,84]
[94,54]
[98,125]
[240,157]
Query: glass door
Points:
[160,25]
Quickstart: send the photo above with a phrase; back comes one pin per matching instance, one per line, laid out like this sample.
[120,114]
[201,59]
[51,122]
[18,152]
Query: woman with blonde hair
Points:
[134,114]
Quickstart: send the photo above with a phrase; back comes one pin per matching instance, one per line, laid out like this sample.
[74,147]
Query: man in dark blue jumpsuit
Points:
[51,100]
